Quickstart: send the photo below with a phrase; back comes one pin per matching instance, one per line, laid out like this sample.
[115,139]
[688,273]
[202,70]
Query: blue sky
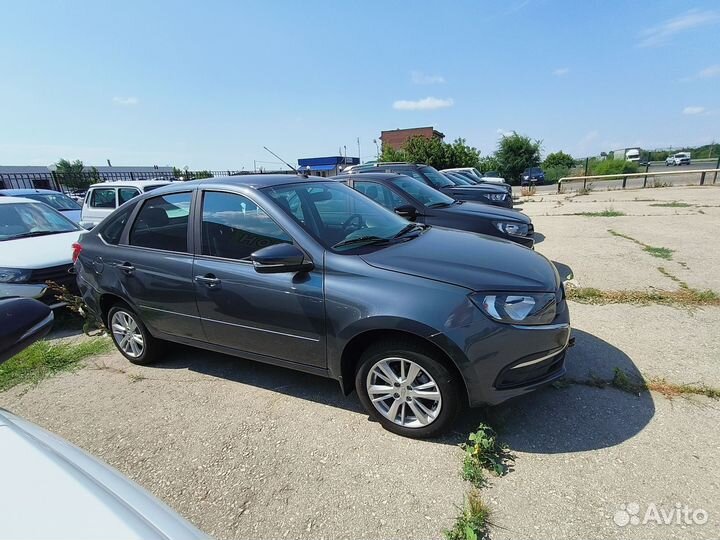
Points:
[207,84]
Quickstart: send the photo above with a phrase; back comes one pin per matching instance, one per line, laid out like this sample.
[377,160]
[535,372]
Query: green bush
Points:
[613,166]
[555,173]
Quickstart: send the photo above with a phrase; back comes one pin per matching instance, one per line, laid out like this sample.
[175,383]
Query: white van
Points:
[103,198]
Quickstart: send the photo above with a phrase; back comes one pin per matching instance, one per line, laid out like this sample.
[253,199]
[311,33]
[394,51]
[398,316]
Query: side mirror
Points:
[280,258]
[22,322]
[407,211]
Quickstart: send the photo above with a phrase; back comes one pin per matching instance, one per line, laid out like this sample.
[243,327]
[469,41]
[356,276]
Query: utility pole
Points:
[358,141]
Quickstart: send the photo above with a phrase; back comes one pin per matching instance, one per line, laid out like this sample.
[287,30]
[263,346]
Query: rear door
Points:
[275,315]
[155,263]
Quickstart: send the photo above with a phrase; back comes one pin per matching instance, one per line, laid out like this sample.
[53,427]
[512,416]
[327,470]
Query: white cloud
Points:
[658,35]
[559,72]
[503,132]
[418,77]
[693,110]
[425,104]
[130,100]
[709,72]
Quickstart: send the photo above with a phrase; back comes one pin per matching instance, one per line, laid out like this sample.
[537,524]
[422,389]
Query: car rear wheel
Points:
[407,389]
[131,337]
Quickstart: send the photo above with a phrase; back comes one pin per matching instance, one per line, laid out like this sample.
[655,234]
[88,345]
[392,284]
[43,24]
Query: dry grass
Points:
[684,297]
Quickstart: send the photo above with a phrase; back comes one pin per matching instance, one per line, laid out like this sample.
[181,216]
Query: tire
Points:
[142,348]
[411,418]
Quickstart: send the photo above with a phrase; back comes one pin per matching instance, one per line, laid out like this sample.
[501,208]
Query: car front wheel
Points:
[407,390]
[131,337]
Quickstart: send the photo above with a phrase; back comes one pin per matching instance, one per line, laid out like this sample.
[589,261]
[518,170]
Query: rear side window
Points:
[102,198]
[111,229]
[162,223]
[125,194]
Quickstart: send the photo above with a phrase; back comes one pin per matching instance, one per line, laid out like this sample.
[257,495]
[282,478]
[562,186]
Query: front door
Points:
[155,267]
[275,315]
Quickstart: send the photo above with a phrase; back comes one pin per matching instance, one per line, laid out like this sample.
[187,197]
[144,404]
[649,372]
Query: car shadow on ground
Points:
[568,419]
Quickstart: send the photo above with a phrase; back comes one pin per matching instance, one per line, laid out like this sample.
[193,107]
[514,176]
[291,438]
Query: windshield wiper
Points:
[408,228]
[34,233]
[439,205]
[362,240]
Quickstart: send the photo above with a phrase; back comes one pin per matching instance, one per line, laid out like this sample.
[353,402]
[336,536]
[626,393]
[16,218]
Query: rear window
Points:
[102,198]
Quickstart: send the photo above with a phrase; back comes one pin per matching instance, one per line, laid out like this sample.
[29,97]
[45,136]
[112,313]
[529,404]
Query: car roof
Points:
[253,181]
[370,175]
[132,183]
[8,200]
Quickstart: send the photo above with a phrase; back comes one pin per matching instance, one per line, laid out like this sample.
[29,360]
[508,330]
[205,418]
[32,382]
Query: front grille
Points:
[57,274]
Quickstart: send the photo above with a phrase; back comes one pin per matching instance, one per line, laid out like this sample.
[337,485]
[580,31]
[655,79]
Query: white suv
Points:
[681,158]
[102,199]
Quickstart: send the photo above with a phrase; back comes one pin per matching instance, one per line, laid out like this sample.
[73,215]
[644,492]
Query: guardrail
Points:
[644,175]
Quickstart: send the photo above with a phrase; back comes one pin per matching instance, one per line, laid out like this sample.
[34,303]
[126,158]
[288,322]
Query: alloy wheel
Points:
[403,392]
[127,334]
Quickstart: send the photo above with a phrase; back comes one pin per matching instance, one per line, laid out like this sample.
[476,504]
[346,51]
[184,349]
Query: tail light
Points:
[77,248]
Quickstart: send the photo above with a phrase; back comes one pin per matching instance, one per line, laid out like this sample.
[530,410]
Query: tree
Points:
[559,159]
[434,152]
[71,174]
[489,163]
[516,153]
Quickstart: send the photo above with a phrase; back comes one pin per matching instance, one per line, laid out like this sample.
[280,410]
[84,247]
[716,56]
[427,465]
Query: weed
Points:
[608,212]
[659,183]
[44,358]
[76,304]
[660,252]
[677,280]
[527,191]
[622,381]
[585,190]
[684,297]
[136,377]
[484,452]
[473,523]
[674,204]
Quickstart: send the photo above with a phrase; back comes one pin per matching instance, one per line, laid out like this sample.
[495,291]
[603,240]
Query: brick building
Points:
[397,138]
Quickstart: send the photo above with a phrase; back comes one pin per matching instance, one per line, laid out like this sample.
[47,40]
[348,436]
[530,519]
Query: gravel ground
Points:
[246,450]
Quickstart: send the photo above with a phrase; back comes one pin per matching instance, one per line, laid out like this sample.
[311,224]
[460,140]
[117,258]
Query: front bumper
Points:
[502,361]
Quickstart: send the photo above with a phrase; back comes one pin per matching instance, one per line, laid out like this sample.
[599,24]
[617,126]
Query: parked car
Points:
[103,198]
[474,179]
[681,158]
[481,193]
[533,176]
[312,275]
[35,247]
[59,201]
[492,177]
[419,202]
[56,490]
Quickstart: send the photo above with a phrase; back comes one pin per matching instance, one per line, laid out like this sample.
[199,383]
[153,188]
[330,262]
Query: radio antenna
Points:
[281,159]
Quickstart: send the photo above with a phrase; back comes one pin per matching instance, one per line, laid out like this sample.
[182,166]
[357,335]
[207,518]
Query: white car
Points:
[35,247]
[681,158]
[102,199]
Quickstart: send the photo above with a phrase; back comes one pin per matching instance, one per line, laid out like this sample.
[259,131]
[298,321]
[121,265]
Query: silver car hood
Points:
[52,489]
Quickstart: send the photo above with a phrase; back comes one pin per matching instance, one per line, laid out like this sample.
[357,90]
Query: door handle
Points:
[126,267]
[208,280]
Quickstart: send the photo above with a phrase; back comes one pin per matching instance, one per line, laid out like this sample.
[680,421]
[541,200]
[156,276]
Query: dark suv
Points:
[314,276]
[532,176]
[485,193]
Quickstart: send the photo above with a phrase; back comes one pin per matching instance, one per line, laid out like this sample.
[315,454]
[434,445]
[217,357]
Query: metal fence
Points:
[645,179]
[78,183]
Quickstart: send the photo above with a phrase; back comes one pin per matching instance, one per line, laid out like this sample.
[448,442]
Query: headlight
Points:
[517,308]
[525,177]
[14,275]
[512,228]
[496,196]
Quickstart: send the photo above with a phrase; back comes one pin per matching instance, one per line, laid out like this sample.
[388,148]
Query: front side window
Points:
[162,223]
[234,227]
[125,194]
[380,193]
[338,217]
[102,198]
[25,220]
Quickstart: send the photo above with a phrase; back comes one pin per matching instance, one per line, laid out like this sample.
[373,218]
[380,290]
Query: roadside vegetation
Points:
[660,252]
[684,297]
[473,523]
[673,204]
[608,212]
[45,358]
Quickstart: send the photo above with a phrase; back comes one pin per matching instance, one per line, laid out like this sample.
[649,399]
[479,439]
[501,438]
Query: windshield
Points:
[434,177]
[337,216]
[422,192]
[24,220]
[492,174]
[57,200]
[458,179]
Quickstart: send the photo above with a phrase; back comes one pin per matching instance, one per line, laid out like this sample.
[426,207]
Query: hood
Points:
[474,261]
[38,252]
[79,497]
[487,211]
[485,188]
